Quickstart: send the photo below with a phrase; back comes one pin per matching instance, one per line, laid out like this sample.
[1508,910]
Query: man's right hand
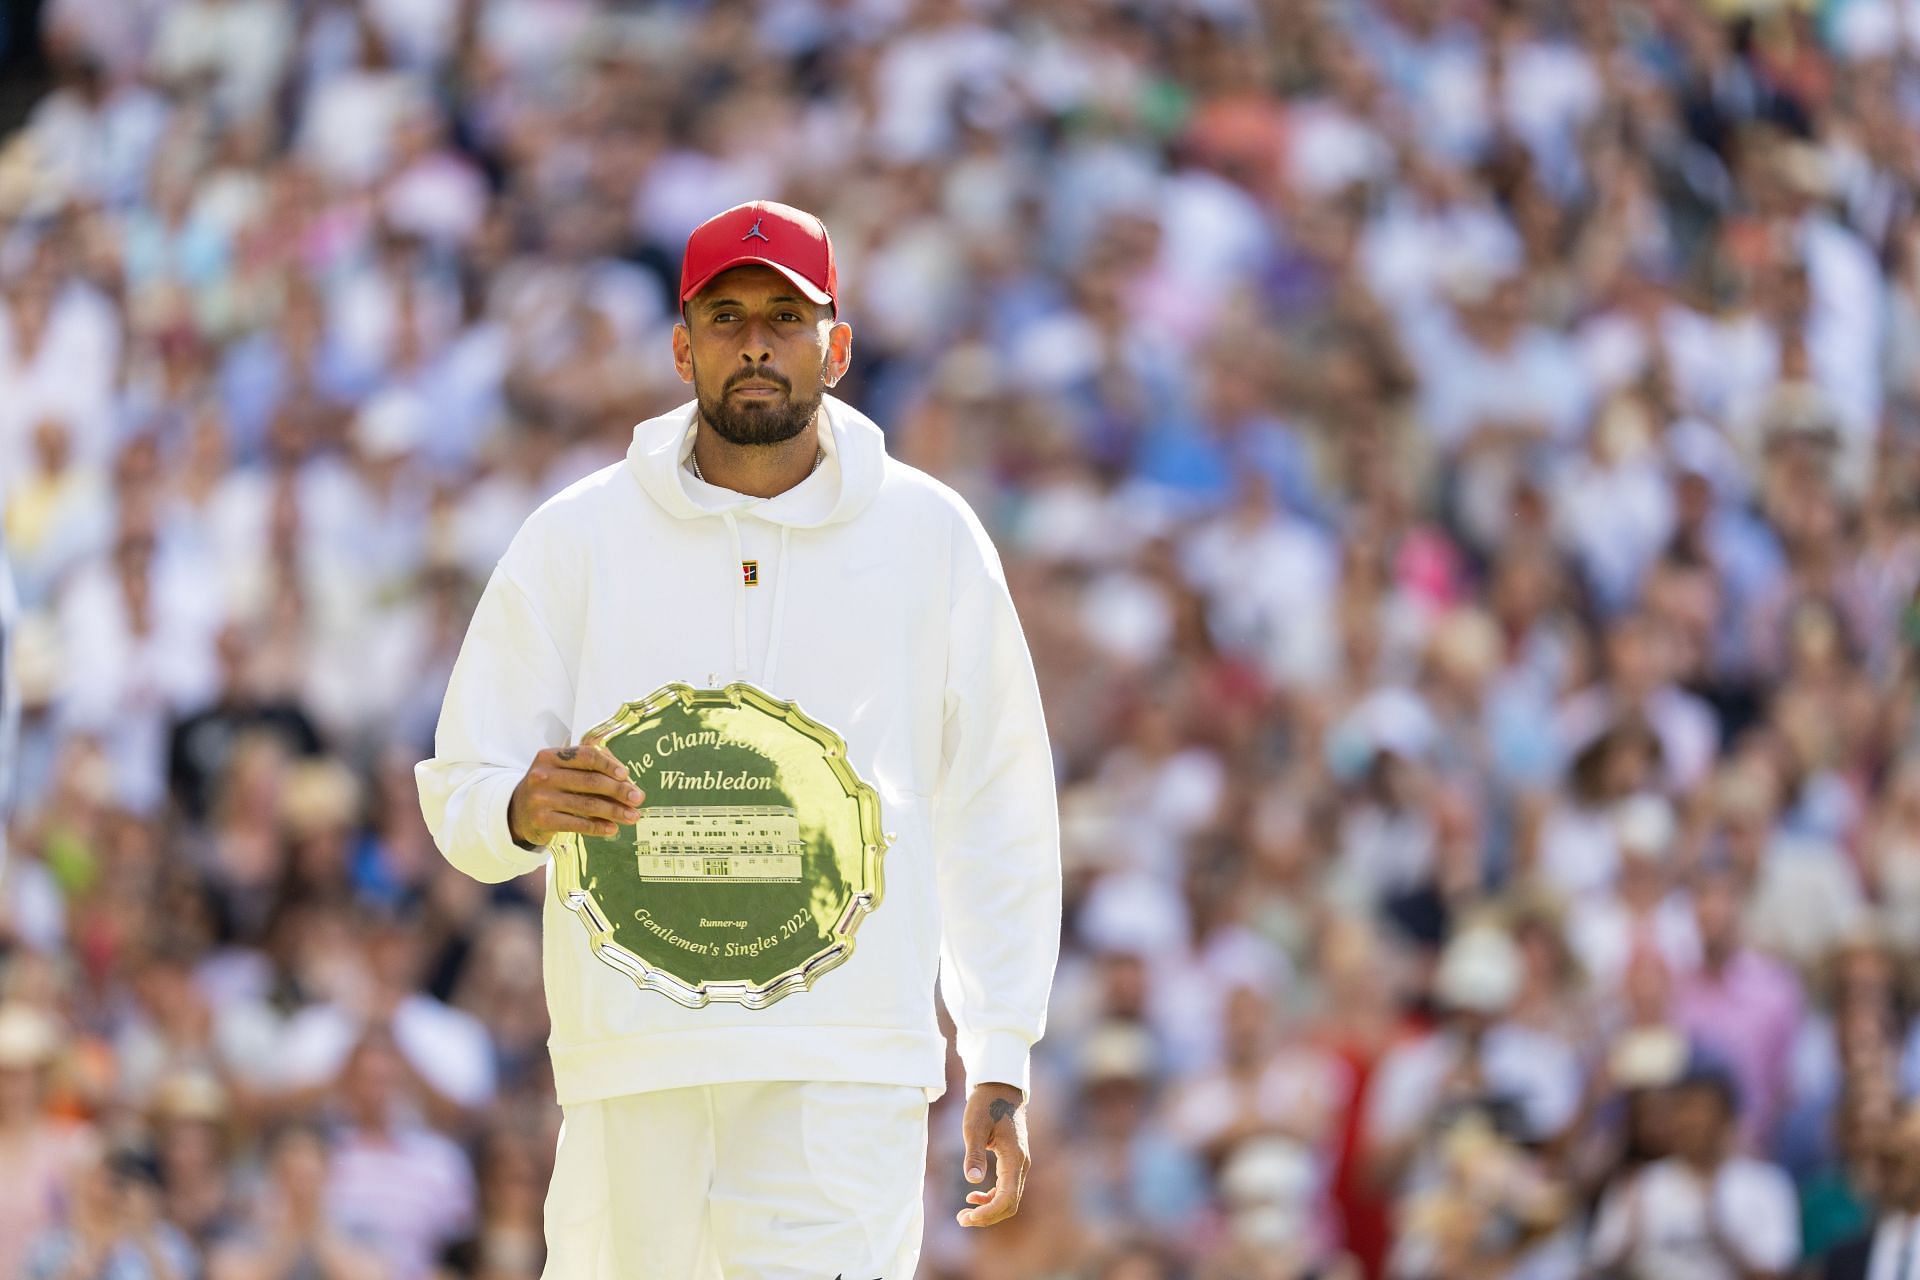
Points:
[583,789]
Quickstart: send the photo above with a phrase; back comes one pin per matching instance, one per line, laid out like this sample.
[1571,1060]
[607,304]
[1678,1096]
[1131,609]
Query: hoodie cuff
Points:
[512,852]
[996,1057]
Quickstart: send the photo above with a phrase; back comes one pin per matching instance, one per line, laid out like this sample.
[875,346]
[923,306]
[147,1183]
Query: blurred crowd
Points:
[1458,462]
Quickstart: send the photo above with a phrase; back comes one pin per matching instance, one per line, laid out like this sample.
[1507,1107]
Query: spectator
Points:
[1271,1186]
[1130,1173]
[1740,1004]
[405,1189]
[114,1228]
[508,1239]
[45,1154]
[288,1233]
[1478,1056]
[1885,1244]
[193,1149]
[1645,907]
[1702,1210]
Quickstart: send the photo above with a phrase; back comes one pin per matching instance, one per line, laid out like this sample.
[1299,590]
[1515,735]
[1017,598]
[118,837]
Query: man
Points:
[1704,1212]
[1740,1004]
[403,1189]
[1891,1249]
[760,536]
[1480,1057]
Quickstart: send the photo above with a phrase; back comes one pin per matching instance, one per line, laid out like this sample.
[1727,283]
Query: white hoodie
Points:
[883,611]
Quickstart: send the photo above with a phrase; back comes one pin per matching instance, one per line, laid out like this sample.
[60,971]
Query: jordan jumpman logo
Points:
[756,231]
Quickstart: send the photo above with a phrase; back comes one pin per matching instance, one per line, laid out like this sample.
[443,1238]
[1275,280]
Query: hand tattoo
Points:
[1000,1109]
[567,753]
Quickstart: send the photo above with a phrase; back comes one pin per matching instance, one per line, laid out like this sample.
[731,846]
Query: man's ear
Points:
[839,351]
[683,352]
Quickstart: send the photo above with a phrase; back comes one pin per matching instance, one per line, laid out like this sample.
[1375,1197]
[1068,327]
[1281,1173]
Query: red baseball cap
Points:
[791,241]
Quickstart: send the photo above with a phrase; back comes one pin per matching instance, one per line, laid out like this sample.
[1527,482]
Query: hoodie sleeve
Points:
[996,834]
[507,700]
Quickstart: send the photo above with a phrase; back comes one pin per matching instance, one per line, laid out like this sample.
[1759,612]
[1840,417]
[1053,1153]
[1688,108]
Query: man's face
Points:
[759,355]
[1716,905]
[1698,1122]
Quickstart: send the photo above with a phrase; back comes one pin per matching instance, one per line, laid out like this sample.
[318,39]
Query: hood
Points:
[840,489]
[846,482]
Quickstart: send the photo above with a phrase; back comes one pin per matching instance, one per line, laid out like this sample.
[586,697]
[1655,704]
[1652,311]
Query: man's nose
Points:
[756,344]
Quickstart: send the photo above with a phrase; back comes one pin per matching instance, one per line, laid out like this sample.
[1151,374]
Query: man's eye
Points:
[788,315]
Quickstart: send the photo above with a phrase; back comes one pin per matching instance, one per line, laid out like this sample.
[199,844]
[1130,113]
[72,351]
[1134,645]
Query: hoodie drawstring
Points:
[779,611]
[738,570]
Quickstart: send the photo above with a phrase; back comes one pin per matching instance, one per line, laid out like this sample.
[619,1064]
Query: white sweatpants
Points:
[760,1181]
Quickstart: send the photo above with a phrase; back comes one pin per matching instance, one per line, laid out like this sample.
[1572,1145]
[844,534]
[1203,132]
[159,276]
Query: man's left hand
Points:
[996,1121]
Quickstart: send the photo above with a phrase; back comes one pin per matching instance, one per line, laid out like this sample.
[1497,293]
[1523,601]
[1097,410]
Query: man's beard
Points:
[758,422]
